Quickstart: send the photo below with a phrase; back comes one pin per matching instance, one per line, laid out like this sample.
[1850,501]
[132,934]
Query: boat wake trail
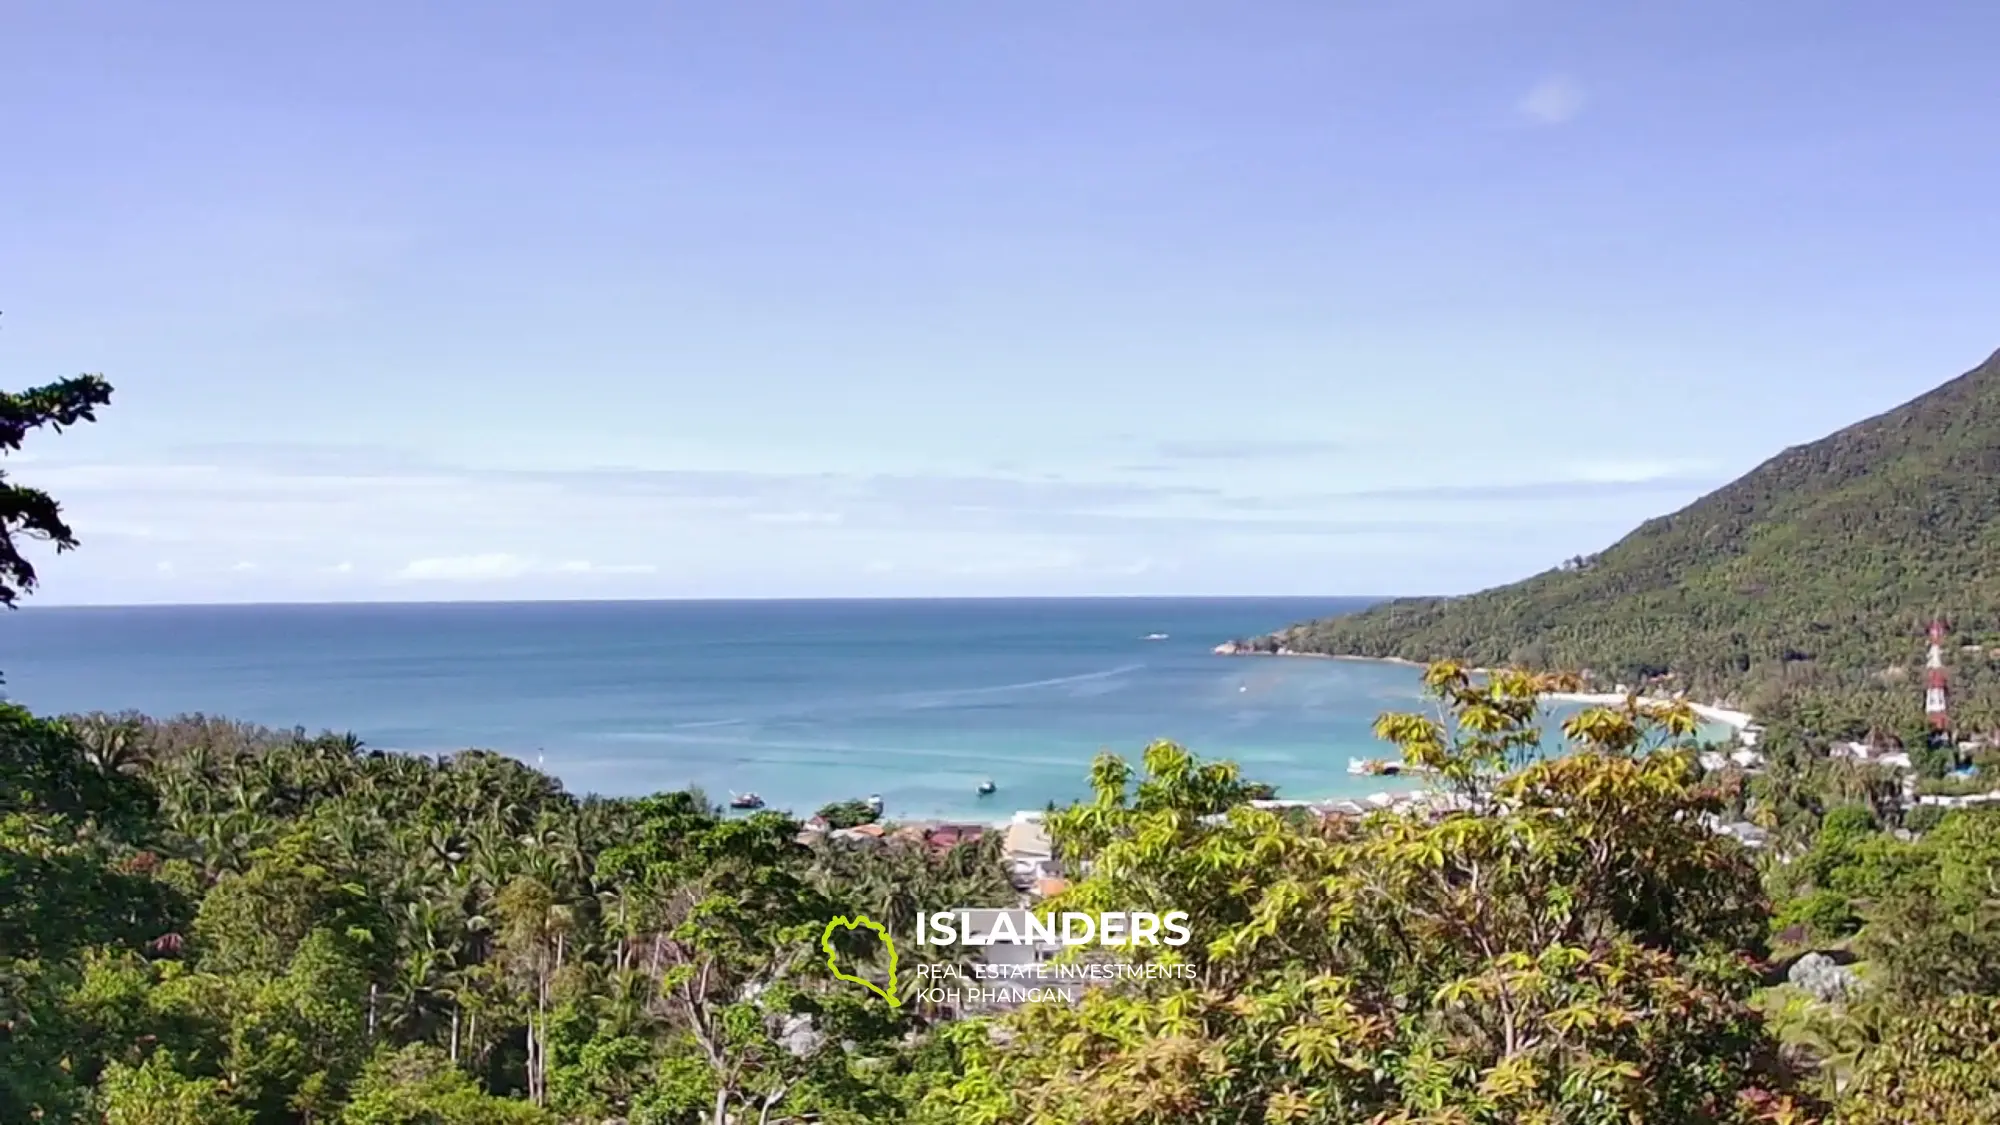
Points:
[861,707]
[948,697]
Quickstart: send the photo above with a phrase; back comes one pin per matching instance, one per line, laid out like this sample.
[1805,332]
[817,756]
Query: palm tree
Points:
[111,745]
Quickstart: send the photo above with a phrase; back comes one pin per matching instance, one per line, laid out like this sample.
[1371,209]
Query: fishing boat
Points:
[745,801]
[987,787]
[1156,636]
[1374,767]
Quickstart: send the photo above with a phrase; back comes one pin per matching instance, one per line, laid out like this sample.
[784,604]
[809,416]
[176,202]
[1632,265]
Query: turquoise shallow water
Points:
[802,702]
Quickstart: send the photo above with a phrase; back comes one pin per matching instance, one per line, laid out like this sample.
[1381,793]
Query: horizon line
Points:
[756,599]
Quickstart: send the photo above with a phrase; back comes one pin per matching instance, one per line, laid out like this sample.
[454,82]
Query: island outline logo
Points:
[833,959]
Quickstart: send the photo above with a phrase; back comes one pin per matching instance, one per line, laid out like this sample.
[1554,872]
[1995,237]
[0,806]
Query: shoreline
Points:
[1733,718]
[1418,796]
[1713,712]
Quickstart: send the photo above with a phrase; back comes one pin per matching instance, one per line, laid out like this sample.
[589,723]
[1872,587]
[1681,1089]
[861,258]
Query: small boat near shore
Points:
[987,787]
[745,801]
[1377,767]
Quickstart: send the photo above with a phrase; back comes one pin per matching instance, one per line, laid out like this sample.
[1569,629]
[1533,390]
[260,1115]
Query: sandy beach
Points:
[1735,720]
[1713,712]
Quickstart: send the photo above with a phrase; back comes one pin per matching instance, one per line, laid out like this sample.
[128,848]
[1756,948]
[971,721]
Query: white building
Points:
[1030,856]
[1863,752]
[1966,801]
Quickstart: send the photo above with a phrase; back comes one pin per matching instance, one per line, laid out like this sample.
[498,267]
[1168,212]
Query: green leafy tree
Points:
[418,1086]
[1572,952]
[154,1093]
[1933,929]
[847,814]
[1936,1063]
[737,922]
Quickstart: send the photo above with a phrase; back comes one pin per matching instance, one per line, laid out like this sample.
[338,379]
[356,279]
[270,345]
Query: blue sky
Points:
[783,299]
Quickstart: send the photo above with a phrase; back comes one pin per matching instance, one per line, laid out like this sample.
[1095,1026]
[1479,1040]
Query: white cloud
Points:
[466,568]
[1636,470]
[1551,101]
[579,566]
[500,565]
[341,568]
[164,567]
[244,567]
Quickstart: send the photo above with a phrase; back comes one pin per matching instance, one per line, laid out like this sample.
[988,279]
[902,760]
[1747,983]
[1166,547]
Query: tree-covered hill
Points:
[1819,567]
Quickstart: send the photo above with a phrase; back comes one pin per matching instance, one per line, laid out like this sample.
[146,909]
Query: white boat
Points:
[1156,636]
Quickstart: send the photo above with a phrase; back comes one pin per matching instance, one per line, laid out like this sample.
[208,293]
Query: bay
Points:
[802,702]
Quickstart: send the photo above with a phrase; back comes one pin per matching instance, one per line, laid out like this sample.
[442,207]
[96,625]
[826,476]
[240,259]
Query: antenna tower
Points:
[1935,696]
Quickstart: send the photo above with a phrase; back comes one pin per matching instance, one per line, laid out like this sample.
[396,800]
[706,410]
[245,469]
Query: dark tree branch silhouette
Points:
[29,513]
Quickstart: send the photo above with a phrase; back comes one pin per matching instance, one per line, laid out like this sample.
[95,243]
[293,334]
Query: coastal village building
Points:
[1742,831]
[1966,801]
[1030,856]
[937,837]
[1863,752]
[1743,759]
[1004,972]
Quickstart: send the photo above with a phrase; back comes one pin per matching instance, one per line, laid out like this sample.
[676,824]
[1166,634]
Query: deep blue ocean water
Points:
[802,702]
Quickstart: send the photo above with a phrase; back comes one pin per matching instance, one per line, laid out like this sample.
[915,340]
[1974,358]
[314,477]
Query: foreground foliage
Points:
[1574,951]
[217,923]
[272,927]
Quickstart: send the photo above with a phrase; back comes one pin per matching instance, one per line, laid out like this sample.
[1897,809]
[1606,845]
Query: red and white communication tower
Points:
[1934,686]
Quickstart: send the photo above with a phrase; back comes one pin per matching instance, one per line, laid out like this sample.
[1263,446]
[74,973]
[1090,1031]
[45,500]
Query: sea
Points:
[800,702]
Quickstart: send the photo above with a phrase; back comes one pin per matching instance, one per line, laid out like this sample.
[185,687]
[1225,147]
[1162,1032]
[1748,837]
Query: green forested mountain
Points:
[1818,569]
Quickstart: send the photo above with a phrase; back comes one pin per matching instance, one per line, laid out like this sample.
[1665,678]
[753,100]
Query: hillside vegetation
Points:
[1818,569]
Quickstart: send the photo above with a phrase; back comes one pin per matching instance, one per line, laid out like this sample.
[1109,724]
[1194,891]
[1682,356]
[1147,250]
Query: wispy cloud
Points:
[1636,470]
[465,568]
[1536,490]
[327,521]
[336,476]
[583,566]
[1552,101]
[1247,449]
[499,565]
